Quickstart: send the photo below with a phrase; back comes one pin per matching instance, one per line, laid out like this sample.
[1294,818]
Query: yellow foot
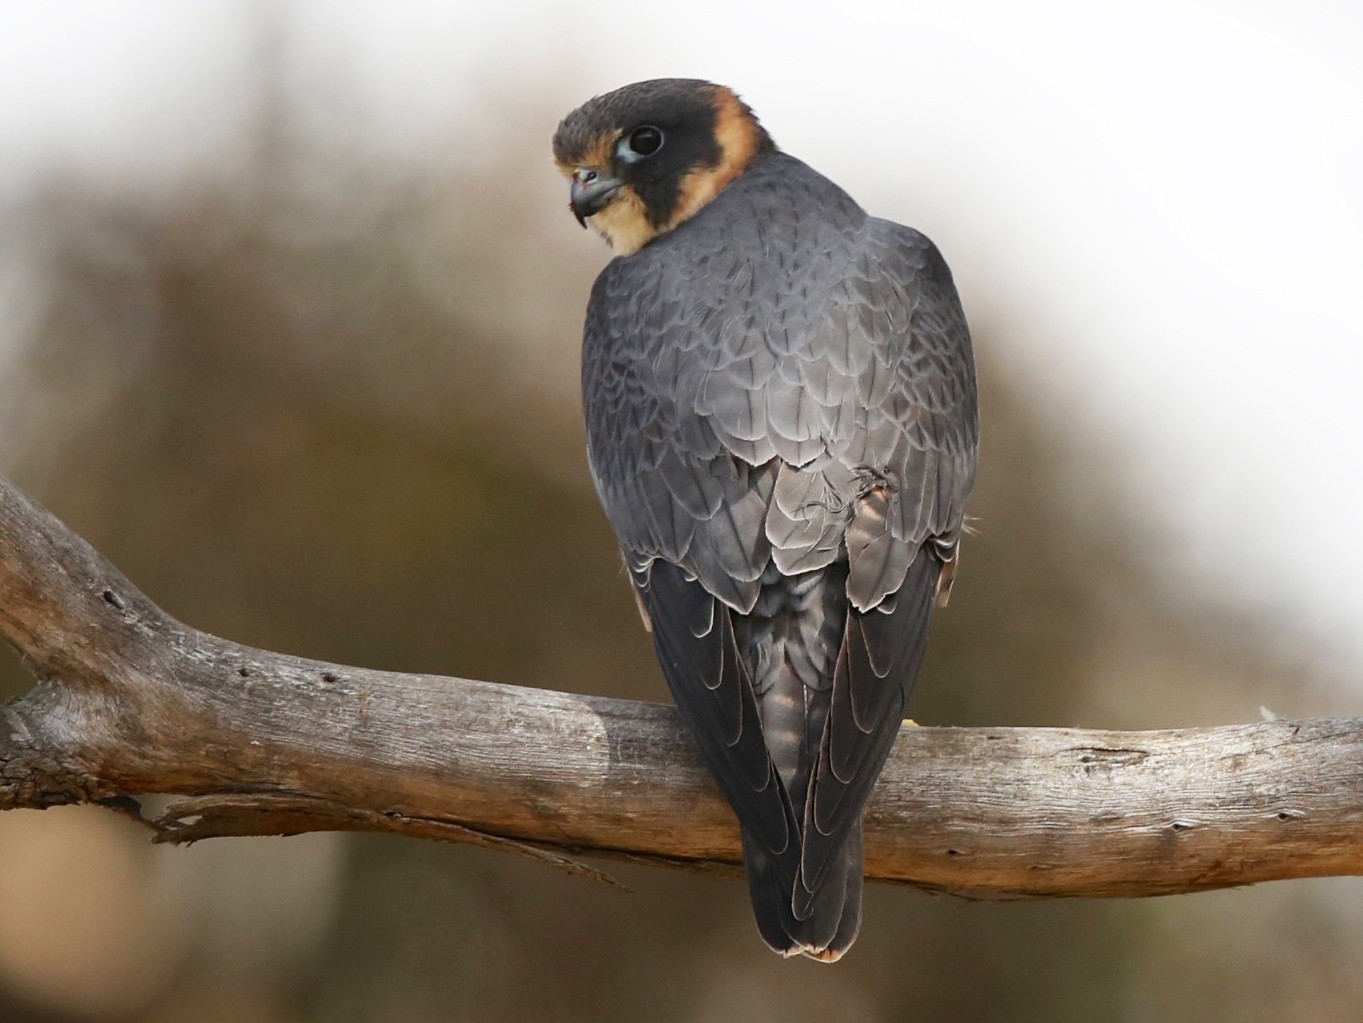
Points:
[909,723]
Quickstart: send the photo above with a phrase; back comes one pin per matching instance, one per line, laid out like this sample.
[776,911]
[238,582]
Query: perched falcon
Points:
[782,427]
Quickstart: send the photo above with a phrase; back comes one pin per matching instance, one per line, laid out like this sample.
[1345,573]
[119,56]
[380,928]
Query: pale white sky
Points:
[1157,210]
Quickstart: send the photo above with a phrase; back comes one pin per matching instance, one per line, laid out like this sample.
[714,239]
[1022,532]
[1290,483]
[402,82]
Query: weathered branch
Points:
[130,701]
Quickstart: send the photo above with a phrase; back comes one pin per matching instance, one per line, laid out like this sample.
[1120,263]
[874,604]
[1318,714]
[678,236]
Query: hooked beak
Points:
[590,193]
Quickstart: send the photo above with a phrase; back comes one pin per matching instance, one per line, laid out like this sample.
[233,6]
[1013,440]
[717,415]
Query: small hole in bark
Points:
[953,852]
[330,676]
[244,671]
[111,598]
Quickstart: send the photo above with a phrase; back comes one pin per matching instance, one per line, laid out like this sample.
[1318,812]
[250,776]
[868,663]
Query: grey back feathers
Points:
[750,378]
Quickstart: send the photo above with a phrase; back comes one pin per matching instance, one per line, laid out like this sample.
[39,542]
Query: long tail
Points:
[794,709]
[832,684]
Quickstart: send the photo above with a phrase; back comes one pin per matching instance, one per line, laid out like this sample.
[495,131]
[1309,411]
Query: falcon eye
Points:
[646,140]
[643,141]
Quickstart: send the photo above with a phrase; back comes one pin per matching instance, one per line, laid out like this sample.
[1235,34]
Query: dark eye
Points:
[646,140]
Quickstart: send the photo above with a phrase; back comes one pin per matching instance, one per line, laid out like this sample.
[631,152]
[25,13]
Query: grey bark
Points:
[129,702]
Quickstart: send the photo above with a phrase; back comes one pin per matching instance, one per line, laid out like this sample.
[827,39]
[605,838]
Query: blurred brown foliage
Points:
[328,405]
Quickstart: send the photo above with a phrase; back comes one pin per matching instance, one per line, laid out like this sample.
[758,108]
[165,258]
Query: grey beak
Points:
[590,193]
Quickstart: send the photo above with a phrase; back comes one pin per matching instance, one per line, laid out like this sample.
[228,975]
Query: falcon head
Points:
[644,158]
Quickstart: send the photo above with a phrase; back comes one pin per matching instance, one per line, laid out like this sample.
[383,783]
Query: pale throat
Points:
[624,223]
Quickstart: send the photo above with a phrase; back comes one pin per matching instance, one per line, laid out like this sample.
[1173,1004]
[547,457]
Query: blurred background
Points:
[290,306]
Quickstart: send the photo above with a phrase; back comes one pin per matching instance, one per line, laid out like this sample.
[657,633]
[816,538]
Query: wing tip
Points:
[832,913]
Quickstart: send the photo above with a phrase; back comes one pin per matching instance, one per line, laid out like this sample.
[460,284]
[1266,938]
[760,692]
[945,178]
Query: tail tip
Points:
[831,954]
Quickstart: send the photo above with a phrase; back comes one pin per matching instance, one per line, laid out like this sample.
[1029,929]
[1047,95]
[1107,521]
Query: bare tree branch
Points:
[131,702]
